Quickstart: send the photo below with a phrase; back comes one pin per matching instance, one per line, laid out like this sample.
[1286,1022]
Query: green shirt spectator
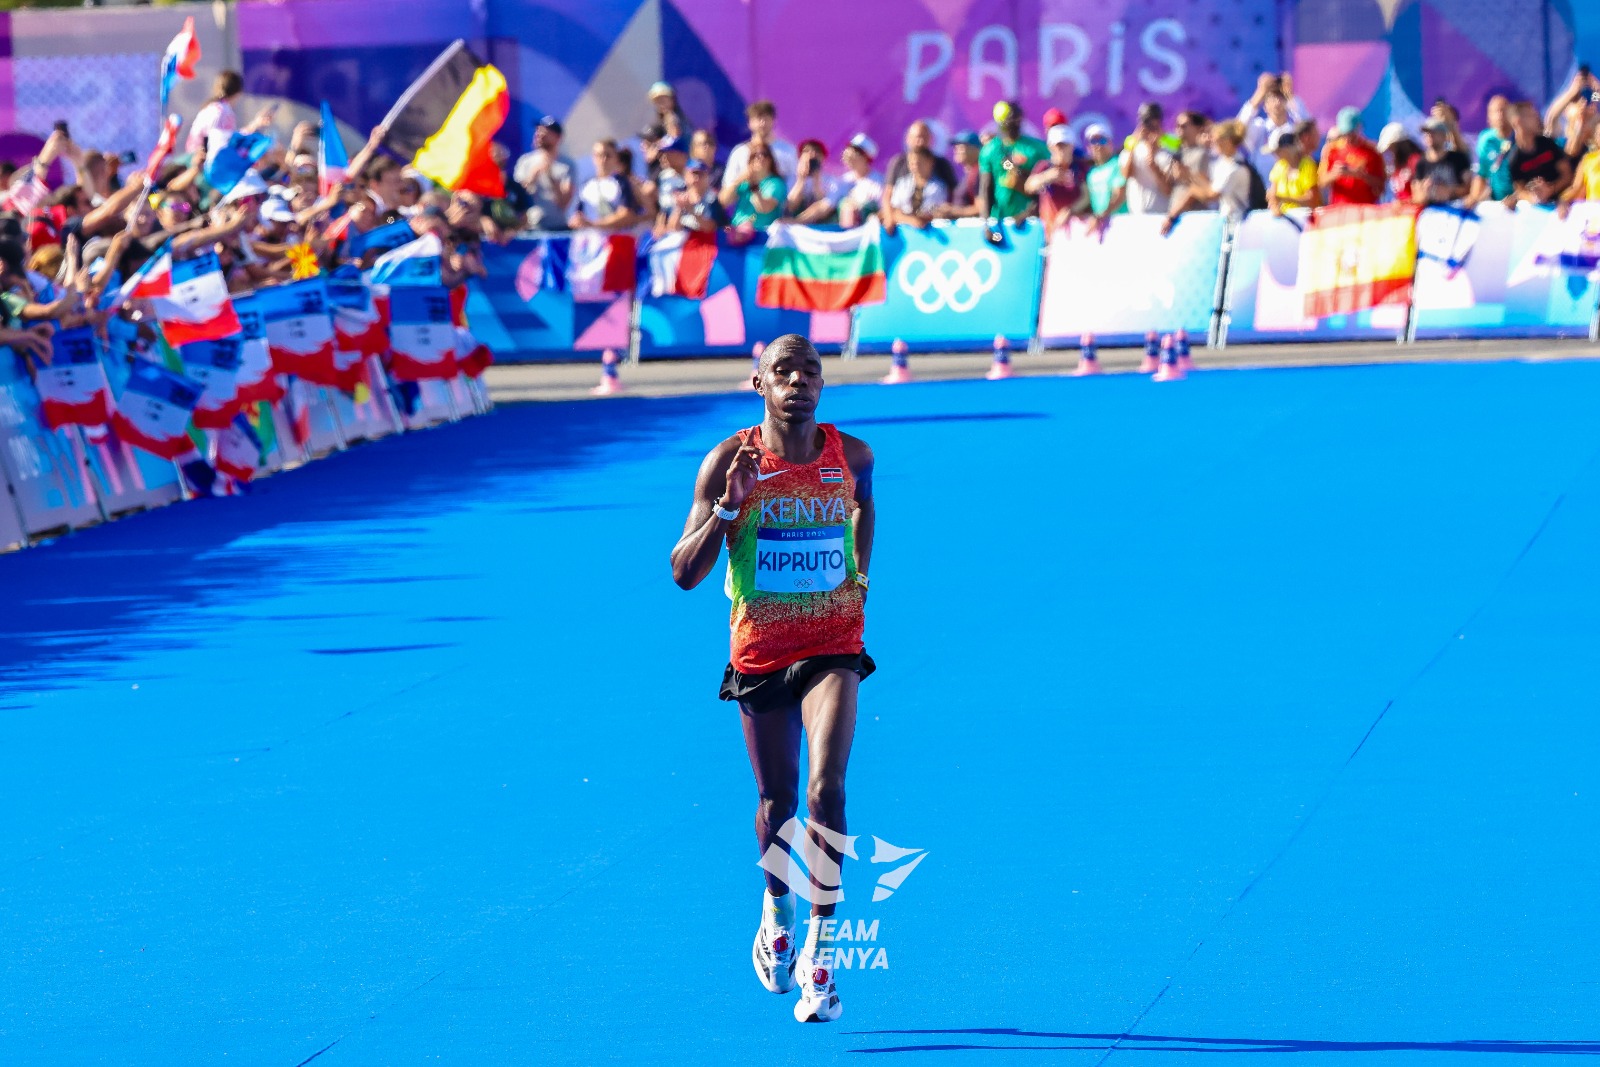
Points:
[1007,164]
[1104,180]
[771,187]
[1494,163]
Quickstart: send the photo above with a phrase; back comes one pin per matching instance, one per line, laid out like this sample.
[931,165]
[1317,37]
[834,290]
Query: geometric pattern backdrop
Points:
[834,67]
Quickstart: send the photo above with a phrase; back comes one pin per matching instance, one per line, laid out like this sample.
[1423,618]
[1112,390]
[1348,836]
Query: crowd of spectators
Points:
[1271,155]
[64,247]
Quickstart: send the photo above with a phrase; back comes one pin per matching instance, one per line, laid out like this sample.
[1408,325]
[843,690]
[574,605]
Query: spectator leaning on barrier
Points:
[1004,165]
[916,198]
[606,201]
[672,154]
[1228,185]
[762,116]
[964,149]
[1540,170]
[756,202]
[1403,154]
[1352,170]
[859,191]
[1270,111]
[1147,166]
[1104,182]
[1292,182]
[811,195]
[1442,174]
[1058,182]
[547,177]
[1493,178]
[696,207]
[919,136]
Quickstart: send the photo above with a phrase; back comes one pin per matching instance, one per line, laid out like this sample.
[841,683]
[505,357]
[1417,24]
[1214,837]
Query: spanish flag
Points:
[1355,256]
[446,120]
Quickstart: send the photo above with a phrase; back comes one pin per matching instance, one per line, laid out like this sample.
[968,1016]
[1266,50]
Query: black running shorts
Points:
[782,688]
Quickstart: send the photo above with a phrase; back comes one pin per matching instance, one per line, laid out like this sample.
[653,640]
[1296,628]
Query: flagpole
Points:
[411,90]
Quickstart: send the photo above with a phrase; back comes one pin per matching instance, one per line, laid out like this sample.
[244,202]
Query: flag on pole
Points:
[333,162]
[153,278]
[1357,256]
[164,146]
[153,411]
[445,122]
[73,388]
[230,155]
[179,61]
[680,263]
[197,307]
[598,264]
[807,269]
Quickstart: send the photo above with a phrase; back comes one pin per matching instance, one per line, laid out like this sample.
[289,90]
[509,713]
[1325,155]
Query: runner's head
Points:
[789,378]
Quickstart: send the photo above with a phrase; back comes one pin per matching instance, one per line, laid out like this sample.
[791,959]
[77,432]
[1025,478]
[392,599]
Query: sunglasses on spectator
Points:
[178,207]
[761,155]
[1099,140]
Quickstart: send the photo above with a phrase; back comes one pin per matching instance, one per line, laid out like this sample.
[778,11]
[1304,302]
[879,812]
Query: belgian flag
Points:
[445,121]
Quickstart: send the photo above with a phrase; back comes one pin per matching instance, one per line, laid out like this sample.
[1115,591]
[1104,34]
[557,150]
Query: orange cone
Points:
[1088,357]
[610,383]
[1169,371]
[1000,369]
[1152,354]
[1181,344]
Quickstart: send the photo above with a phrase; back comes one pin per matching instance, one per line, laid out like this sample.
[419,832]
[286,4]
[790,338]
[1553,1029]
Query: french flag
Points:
[333,162]
[413,263]
[198,307]
[257,380]
[422,339]
[215,365]
[152,279]
[359,329]
[300,329]
[180,59]
[239,450]
[154,409]
[600,264]
[74,389]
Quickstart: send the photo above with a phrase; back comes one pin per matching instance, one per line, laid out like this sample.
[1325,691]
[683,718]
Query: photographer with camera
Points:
[1271,109]
[811,197]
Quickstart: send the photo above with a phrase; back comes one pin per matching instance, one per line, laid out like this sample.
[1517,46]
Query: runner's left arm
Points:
[860,458]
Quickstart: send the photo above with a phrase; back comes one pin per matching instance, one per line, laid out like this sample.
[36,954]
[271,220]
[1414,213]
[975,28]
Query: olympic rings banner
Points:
[1127,279]
[950,287]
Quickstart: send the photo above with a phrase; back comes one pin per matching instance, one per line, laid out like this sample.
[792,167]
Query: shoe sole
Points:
[814,1017]
[767,981]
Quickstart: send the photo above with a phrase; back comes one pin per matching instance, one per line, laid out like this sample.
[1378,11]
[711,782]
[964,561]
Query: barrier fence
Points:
[86,436]
[1488,273]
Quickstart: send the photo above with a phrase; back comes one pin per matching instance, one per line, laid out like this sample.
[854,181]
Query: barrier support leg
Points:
[1036,342]
[1409,334]
[91,481]
[8,481]
[635,315]
[849,349]
[1221,305]
[333,416]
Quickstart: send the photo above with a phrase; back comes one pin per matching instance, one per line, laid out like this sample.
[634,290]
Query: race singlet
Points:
[791,562]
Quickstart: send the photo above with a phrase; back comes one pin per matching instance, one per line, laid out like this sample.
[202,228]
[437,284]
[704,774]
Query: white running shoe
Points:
[819,1000]
[774,956]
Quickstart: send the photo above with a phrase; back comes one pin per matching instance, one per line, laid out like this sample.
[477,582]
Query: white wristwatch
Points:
[723,513]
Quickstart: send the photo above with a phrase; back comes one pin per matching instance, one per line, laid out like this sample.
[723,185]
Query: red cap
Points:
[1055,117]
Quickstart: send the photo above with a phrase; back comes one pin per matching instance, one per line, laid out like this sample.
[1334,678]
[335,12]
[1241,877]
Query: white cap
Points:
[252,184]
[864,144]
[277,210]
[1391,134]
[1096,130]
[1061,135]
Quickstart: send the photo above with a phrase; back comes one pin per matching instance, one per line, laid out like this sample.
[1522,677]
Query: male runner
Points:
[793,501]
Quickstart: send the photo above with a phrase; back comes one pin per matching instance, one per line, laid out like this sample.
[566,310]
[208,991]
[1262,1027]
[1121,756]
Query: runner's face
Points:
[792,385]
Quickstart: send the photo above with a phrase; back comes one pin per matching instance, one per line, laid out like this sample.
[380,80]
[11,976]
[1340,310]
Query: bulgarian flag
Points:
[680,263]
[806,269]
[1356,256]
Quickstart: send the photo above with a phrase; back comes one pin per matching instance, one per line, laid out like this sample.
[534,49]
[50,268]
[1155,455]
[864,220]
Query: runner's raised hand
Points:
[742,476]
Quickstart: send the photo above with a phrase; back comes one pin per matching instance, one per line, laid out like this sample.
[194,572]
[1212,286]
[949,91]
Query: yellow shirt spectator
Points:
[1293,185]
[1586,183]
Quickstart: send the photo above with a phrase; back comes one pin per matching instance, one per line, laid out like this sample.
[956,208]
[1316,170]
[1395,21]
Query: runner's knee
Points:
[825,799]
[778,805]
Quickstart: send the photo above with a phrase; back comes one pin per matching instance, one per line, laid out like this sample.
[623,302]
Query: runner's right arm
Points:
[727,475]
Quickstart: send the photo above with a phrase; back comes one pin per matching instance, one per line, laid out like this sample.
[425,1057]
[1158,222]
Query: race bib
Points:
[799,561]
